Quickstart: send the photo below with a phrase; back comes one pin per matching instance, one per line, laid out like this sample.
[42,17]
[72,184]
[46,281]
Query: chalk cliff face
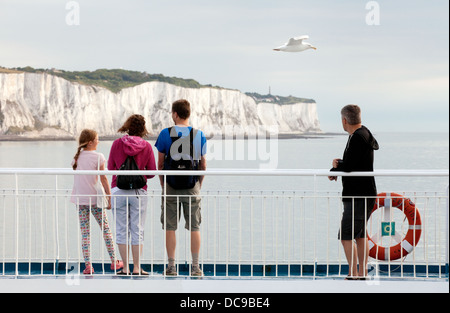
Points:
[46,104]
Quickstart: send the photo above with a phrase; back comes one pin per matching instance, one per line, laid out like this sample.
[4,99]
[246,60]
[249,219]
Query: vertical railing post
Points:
[16,208]
[165,224]
[56,226]
[446,238]
[315,224]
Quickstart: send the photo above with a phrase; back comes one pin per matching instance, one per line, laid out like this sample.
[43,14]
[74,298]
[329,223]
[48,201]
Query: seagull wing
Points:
[297,40]
[302,37]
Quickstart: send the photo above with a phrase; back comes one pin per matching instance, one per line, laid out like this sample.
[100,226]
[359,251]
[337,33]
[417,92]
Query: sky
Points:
[389,57]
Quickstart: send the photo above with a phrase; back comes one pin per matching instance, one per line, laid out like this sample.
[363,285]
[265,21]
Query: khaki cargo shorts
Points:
[190,200]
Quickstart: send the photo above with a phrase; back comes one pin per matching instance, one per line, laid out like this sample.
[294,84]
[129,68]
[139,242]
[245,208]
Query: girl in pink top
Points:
[84,196]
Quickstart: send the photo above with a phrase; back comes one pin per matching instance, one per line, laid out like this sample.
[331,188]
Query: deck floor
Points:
[159,284]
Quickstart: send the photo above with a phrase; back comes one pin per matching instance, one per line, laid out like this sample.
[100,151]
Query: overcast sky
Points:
[394,64]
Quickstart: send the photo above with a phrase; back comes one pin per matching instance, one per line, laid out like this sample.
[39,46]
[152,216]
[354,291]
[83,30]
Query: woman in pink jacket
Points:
[130,205]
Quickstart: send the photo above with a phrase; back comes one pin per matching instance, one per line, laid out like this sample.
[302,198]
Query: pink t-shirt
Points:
[83,192]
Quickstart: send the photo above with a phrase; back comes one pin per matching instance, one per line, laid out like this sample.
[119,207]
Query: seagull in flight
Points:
[296,45]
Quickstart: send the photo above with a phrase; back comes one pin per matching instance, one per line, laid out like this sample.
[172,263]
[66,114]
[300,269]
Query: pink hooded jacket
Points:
[134,146]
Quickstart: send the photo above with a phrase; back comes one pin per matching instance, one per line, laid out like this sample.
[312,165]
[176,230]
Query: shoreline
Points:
[18,138]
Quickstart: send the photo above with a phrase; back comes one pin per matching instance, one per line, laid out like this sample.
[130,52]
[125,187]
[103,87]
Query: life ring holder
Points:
[404,245]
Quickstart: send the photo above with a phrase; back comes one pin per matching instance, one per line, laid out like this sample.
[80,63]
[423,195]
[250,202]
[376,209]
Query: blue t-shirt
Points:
[164,142]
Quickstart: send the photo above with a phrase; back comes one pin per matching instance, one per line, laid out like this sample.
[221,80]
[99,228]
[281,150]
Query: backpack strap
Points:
[191,141]
[172,139]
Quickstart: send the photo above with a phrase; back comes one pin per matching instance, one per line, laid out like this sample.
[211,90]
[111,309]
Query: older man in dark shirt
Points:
[359,193]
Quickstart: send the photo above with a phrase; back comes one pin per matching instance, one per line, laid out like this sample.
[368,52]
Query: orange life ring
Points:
[407,244]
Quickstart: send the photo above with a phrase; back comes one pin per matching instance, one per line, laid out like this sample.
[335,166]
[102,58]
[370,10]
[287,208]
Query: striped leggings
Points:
[102,220]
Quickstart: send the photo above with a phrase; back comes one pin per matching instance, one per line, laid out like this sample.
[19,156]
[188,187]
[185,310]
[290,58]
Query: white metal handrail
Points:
[228,172]
[243,206]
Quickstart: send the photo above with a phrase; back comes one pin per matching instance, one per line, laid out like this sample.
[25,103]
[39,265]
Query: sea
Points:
[409,151]
[272,234]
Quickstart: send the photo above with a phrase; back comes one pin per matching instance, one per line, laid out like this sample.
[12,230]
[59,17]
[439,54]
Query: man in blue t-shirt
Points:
[181,142]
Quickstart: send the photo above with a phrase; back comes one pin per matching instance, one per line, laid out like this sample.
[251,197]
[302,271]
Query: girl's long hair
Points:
[86,136]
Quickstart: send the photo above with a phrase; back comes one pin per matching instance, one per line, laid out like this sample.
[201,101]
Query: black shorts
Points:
[354,218]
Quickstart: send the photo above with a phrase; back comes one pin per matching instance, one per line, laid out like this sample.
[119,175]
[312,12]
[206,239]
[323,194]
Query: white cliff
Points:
[46,104]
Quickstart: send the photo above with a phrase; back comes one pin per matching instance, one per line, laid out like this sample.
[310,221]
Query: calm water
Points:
[397,151]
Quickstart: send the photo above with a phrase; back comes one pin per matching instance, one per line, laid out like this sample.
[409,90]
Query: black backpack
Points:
[181,161]
[128,182]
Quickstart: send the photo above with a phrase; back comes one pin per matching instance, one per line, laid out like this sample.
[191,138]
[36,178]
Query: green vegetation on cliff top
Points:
[118,79]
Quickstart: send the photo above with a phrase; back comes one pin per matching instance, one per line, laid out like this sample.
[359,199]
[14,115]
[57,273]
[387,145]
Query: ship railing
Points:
[244,233]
